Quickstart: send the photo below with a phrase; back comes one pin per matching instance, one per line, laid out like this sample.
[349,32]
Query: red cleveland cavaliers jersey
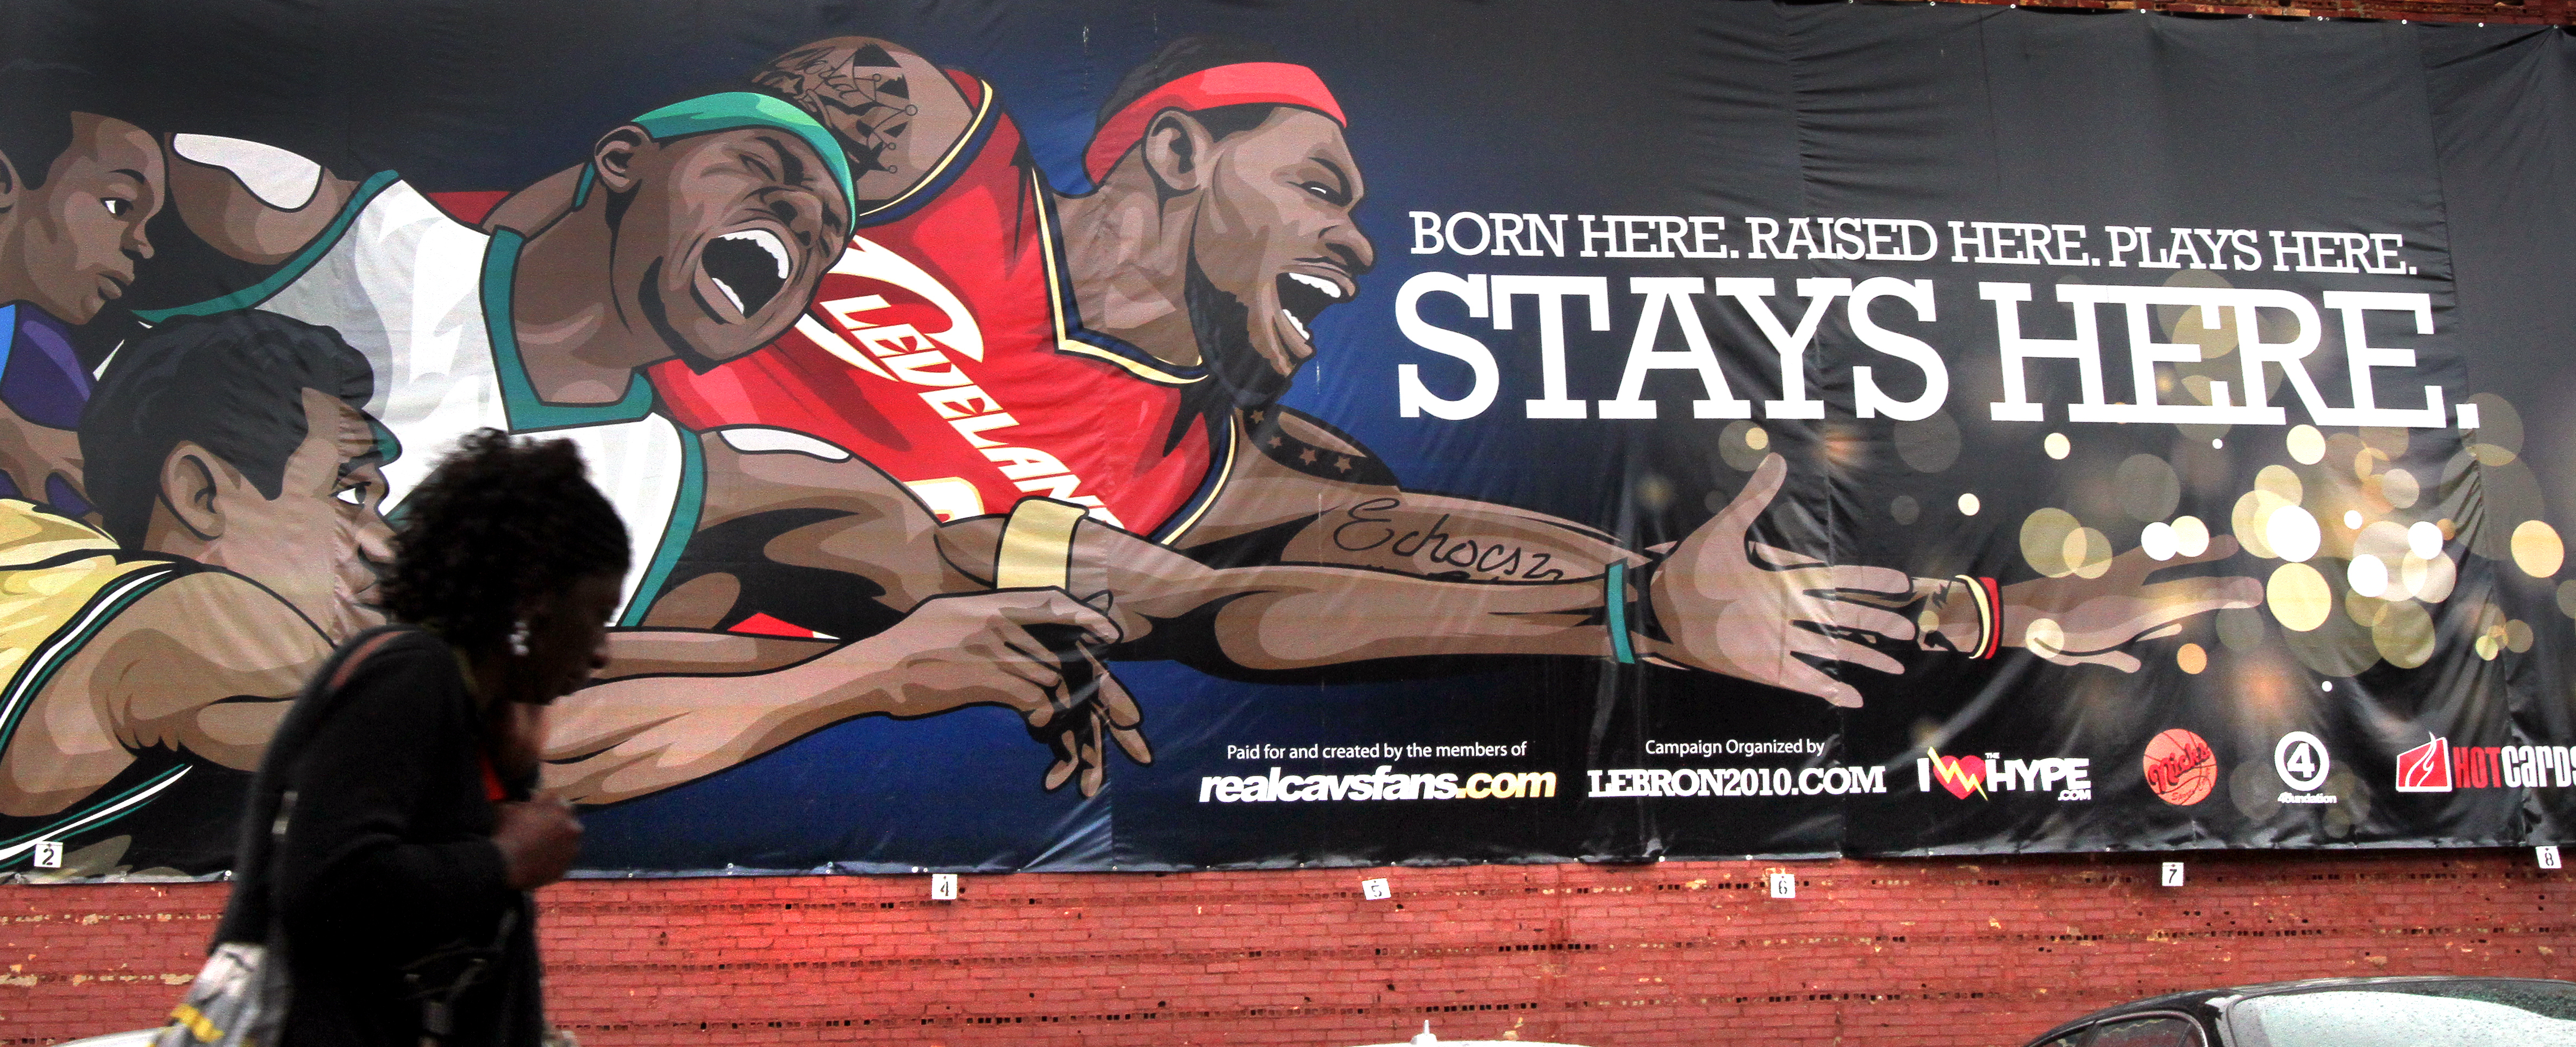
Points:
[944,348]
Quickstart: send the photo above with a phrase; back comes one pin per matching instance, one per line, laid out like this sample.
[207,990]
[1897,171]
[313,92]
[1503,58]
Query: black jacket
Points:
[387,857]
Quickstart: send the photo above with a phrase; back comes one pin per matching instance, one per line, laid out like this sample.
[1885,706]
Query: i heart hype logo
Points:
[2067,777]
[1959,774]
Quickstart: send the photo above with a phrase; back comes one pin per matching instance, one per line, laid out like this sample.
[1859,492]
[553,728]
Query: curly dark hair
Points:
[499,520]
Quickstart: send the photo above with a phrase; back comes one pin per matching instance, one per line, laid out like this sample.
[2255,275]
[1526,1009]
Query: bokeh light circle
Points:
[2299,597]
[2044,637]
[2292,533]
[2157,541]
[2088,552]
[2429,580]
[2404,635]
[2147,487]
[2044,535]
[1929,444]
[2279,480]
[2424,539]
[2537,550]
[2191,537]
[2253,512]
[2400,488]
[2307,445]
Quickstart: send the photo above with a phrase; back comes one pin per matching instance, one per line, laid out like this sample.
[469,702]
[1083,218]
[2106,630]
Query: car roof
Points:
[131,1038]
[2190,1000]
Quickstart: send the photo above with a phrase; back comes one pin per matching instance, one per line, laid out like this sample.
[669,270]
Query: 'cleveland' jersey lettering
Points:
[943,347]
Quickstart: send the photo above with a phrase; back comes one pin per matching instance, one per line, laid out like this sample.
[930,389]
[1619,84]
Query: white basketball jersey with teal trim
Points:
[426,299]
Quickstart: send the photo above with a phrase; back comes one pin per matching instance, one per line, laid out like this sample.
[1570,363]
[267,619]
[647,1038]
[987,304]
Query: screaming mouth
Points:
[750,267]
[1301,297]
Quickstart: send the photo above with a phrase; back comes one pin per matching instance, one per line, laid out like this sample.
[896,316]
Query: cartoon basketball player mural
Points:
[1014,409]
[143,667]
[700,231]
[693,220]
[986,339]
[146,664]
[76,188]
[705,226]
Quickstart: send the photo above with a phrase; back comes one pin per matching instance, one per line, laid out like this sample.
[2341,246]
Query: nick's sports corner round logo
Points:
[2180,767]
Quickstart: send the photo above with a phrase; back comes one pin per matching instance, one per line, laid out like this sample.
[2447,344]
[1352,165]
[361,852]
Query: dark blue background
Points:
[2454,136]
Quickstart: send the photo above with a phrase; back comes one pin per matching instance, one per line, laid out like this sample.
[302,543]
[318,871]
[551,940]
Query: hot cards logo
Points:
[2426,768]
[2070,776]
[2437,767]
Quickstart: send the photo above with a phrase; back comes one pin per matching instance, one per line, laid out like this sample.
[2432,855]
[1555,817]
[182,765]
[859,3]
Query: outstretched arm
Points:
[2075,620]
[643,733]
[206,664]
[1337,505]
[1266,617]
[1273,616]
[1324,499]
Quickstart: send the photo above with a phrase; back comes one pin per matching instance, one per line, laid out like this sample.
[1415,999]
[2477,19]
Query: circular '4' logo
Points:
[2301,761]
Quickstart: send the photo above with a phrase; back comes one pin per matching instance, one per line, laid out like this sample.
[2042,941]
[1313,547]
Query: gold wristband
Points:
[1037,545]
[1990,615]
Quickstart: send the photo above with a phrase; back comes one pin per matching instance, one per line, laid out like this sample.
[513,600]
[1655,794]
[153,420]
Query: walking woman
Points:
[392,837]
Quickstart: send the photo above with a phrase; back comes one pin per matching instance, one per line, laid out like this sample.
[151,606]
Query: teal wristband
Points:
[1615,599]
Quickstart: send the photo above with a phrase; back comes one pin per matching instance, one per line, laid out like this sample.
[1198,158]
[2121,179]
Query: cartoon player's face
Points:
[730,239]
[330,497]
[79,235]
[1275,245]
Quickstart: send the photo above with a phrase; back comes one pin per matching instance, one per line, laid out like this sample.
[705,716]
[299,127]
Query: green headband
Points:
[733,109]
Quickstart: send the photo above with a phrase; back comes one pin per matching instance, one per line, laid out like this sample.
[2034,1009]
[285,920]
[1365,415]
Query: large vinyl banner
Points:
[1486,432]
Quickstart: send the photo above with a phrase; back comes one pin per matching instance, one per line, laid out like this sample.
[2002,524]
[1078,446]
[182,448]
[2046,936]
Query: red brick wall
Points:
[1984,952]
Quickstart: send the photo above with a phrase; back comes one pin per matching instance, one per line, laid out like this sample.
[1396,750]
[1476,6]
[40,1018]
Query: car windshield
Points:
[2428,1014]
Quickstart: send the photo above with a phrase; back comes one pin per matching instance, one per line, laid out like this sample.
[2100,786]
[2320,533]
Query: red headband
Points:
[1247,83]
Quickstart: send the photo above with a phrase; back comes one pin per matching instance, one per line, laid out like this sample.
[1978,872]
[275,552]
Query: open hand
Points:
[1747,610]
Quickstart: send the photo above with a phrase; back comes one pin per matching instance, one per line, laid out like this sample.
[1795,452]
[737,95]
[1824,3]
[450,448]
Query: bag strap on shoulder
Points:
[349,665]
